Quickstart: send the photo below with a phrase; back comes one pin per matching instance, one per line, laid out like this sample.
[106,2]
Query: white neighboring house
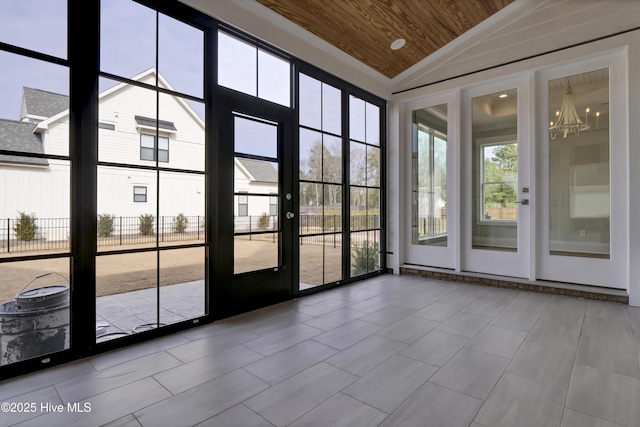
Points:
[127,135]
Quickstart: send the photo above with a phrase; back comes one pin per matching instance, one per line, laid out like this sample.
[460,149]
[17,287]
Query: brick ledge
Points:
[568,289]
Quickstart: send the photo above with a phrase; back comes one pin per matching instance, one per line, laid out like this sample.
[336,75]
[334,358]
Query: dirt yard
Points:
[128,272]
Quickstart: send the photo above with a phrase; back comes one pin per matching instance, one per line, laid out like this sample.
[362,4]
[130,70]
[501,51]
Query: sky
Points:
[128,47]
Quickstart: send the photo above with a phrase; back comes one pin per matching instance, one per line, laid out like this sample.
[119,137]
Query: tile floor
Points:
[390,351]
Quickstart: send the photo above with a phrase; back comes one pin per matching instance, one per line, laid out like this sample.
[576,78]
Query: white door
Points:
[496,197]
[432,180]
[583,209]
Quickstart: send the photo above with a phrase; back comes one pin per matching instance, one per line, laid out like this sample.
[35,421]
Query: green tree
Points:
[500,171]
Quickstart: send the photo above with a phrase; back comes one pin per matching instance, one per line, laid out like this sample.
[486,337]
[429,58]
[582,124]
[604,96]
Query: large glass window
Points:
[579,168]
[321,189]
[35,182]
[365,185]
[150,263]
[429,176]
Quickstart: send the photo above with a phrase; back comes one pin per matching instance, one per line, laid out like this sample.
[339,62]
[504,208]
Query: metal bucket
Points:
[35,324]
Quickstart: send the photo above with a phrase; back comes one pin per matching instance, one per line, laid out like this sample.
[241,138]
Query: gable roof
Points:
[151,72]
[41,103]
[260,170]
[19,136]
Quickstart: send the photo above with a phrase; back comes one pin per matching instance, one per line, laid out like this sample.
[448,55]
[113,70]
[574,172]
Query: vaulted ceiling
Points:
[365,29]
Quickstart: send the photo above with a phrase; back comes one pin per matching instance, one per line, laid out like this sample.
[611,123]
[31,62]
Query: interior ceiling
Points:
[365,29]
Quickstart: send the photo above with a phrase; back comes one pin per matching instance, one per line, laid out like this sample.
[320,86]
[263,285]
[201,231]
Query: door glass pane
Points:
[429,176]
[255,137]
[495,170]
[256,188]
[579,168]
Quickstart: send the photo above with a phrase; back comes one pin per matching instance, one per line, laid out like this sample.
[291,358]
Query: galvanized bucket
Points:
[36,323]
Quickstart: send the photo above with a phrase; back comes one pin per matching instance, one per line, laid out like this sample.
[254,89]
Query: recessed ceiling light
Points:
[503,95]
[397,44]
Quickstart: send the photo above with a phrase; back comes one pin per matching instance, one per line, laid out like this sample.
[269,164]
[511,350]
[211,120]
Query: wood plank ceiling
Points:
[365,29]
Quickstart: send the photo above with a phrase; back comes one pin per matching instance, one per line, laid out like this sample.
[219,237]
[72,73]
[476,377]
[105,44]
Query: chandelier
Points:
[567,119]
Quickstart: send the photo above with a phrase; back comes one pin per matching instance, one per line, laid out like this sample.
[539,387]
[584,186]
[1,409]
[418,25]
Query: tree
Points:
[506,156]
[500,171]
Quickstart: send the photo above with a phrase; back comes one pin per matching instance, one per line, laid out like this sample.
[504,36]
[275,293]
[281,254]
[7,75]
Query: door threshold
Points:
[556,288]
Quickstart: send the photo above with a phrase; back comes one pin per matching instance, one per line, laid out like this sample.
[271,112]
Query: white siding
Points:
[122,145]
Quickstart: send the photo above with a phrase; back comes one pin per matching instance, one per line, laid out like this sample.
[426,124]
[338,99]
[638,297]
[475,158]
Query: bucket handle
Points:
[41,276]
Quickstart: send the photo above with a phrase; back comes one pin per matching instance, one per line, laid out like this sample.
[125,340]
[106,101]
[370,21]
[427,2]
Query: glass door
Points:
[497,190]
[256,215]
[583,200]
[432,238]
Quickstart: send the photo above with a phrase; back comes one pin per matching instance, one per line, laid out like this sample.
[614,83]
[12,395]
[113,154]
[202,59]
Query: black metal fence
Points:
[53,233]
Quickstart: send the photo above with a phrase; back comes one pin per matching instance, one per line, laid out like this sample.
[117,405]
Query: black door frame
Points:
[237,293]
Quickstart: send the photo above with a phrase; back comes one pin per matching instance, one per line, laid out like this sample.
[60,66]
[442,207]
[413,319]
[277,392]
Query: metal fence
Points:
[53,233]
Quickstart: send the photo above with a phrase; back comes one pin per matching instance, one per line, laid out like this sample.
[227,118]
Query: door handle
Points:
[290,215]
[524,201]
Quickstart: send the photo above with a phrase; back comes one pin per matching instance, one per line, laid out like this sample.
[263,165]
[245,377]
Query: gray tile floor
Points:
[390,351]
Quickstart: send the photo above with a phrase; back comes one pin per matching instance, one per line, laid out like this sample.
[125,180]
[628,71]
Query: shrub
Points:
[180,223]
[364,258]
[25,226]
[105,225]
[146,224]
[264,222]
